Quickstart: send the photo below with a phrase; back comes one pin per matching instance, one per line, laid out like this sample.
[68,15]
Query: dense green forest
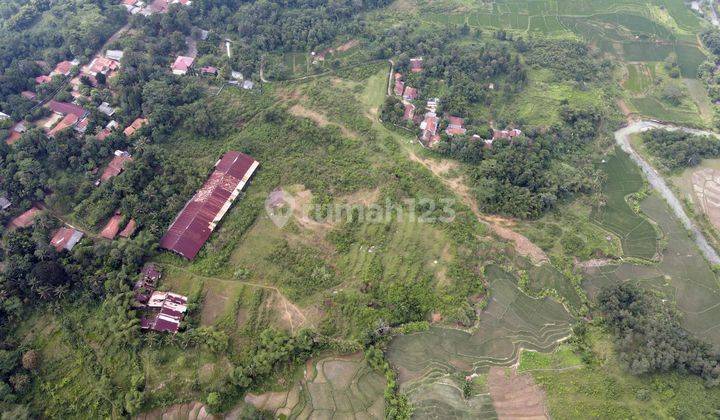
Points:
[678,149]
[649,337]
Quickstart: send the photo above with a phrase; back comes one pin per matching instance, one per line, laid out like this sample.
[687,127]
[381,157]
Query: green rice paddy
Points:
[428,361]
[637,235]
[682,276]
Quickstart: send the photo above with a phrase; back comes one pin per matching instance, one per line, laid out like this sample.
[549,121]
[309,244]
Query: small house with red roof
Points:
[455,126]
[112,227]
[64,68]
[102,65]
[30,96]
[416,65]
[182,64]
[129,229]
[16,132]
[209,70]
[65,239]
[429,125]
[410,93]
[42,79]
[166,311]
[132,128]
[26,219]
[68,121]
[116,165]
[506,134]
[409,113]
[65,108]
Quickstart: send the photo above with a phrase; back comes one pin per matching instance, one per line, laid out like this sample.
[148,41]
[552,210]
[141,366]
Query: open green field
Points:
[655,108]
[637,235]
[640,77]
[571,231]
[602,389]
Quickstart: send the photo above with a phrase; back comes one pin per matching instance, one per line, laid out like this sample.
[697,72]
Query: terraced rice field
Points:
[430,362]
[632,31]
[637,235]
[683,276]
[334,387]
[548,277]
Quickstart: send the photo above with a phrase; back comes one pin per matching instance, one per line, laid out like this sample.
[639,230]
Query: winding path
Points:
[622,137]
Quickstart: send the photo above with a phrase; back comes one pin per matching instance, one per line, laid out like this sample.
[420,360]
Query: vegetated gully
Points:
[622,137]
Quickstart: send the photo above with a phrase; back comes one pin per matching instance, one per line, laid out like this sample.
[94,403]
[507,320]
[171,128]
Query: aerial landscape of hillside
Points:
[343,209]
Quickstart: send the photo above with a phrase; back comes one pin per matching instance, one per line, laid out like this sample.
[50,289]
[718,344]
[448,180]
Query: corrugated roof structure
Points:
[66,238]
[193,226]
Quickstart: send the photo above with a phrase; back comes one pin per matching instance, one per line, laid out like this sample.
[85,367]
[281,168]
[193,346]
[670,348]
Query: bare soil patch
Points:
[515,396]
[213,306]
[706,186]
[346,46]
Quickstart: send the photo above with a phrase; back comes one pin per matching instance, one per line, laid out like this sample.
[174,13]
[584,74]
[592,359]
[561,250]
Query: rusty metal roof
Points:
[196,221]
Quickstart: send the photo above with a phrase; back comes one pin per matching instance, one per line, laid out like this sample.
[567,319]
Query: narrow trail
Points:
[522,244]
[291,311]
[622,137]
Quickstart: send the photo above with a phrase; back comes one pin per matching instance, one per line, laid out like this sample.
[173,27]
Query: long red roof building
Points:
[196,221]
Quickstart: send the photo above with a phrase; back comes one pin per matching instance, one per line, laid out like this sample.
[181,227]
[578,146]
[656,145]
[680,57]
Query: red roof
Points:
[410,93]
[209,70]
[68,121]
[172,308]
[182,63]
[103,134]
[65,108]
[194,224]
[63,68]
[116,165]
[28,95]
[112,227]
[66,238]
[102,65]
[13,137]
[43,79]
[416,65]
[409,112]
[456,121]
[129,229]
[132,128]
[455,126]
[26,219]
[399,86]
[506,134]
[452,131]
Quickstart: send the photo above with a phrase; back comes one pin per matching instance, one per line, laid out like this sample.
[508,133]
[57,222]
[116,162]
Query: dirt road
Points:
[622,137]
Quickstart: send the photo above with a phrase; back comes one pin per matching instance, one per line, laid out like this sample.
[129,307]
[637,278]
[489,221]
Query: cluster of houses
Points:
[113,227]
[161,311]
[135,7]
[429,122]
[64,238]
[184,65]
